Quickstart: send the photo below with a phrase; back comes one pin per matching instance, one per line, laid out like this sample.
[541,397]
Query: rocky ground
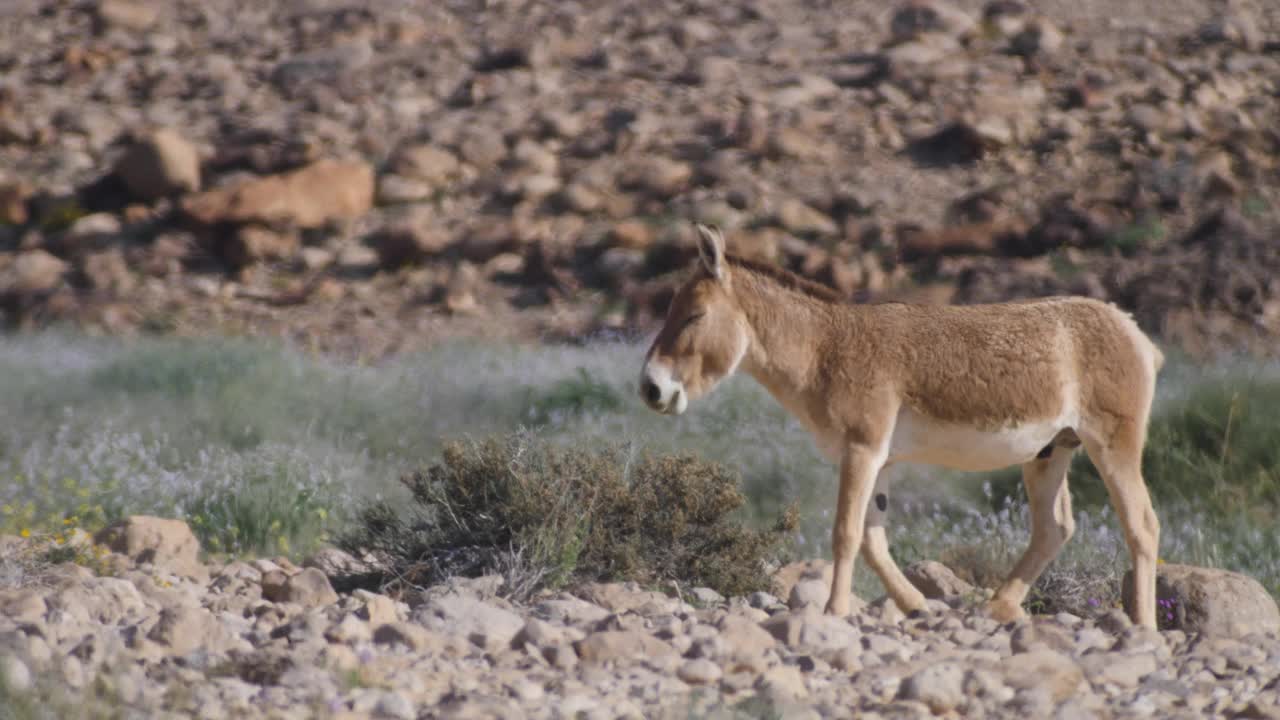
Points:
[155,629]
[372,177]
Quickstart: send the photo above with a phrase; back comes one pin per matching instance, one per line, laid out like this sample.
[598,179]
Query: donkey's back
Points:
[987,386]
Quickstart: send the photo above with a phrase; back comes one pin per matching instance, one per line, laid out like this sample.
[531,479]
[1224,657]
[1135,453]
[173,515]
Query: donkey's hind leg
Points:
[875,550]
[1052,525]
[1119,461]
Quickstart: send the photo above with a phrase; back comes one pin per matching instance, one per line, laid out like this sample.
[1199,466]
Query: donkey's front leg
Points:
[858,470]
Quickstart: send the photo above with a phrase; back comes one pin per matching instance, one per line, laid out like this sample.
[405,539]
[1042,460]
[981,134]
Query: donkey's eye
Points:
[693,318]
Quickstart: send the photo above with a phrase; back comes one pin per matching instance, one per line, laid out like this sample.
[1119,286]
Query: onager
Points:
[974,388]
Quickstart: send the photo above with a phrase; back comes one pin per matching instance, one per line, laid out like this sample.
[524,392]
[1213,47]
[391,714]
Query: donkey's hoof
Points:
[1004,611]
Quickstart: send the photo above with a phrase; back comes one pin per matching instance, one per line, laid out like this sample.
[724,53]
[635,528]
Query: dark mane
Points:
[787,279]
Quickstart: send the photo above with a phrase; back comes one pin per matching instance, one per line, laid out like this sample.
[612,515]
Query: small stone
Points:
[939,686]
[1046,670]
[394,704]
[33,271]
[159,164]
[14,674]
[613,645]
[433,166]
[782,685]
[796,217]
[707,596]
[699,672]
[309,588]
[126,14]
[936,580]
[657,176]
[809,594]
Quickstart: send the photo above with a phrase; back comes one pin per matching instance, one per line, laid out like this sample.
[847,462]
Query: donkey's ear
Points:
[711,249]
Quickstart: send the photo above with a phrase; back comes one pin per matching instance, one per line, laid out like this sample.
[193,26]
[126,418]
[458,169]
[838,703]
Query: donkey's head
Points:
[705,335]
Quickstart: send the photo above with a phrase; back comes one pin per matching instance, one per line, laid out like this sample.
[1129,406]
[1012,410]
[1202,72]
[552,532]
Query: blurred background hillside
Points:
[374,177]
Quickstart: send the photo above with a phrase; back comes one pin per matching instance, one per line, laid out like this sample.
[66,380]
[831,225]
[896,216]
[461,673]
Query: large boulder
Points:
[1209,601]
[308,197]
[159,541]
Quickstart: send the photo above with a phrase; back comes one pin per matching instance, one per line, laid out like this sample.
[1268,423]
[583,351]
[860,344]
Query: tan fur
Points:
[973,387]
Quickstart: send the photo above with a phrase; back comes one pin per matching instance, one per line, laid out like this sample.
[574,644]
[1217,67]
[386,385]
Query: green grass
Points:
[266,449]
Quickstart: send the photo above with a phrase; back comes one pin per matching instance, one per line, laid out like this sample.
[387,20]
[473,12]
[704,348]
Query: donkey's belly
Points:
[921,439]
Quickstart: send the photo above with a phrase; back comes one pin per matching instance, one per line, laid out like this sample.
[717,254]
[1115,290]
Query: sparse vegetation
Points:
[545,515]
[266,450]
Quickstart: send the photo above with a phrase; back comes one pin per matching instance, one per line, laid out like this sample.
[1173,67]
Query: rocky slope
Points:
[373,177]
[162,633]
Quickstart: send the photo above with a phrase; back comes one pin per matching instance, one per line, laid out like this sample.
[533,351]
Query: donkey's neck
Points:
[787,332]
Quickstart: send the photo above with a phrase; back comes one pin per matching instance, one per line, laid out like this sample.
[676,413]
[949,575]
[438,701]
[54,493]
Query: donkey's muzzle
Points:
[651,393]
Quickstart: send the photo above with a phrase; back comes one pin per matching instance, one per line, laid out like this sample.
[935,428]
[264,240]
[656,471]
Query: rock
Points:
[785,577]
[1038,37]
[22,605]
[613,645]
[159,164]
[349,630]
[13,202]
[14,674]
[250,244]
[184,629]
[411,240]
[1236,26]
[619,597]
[811,594]
[485,625]
[911,20]
[410,635]
[940,686]
[957,143]
[126,14]
[1209,600]
[656,176]
[376,609]
[782,685]
[1125,671]
[435,167]
[399,190]
[32,271]
[936,580]
[1052,672]
[699,672]
[707,596]
[393,704]
[570,611]
[165,543]
[796,217]
[335,563]
[309,197]
[108,271]
[459,296]
[309,588]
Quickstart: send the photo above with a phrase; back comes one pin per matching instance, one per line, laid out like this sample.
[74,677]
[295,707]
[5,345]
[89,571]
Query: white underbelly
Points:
[919,439]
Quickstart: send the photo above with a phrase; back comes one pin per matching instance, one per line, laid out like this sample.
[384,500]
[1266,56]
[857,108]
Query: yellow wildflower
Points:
[26,532]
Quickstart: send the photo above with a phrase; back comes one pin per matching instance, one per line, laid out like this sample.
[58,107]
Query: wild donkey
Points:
[969,387]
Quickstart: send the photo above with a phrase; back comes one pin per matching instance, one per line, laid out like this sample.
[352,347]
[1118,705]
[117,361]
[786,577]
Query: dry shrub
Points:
[543,515]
